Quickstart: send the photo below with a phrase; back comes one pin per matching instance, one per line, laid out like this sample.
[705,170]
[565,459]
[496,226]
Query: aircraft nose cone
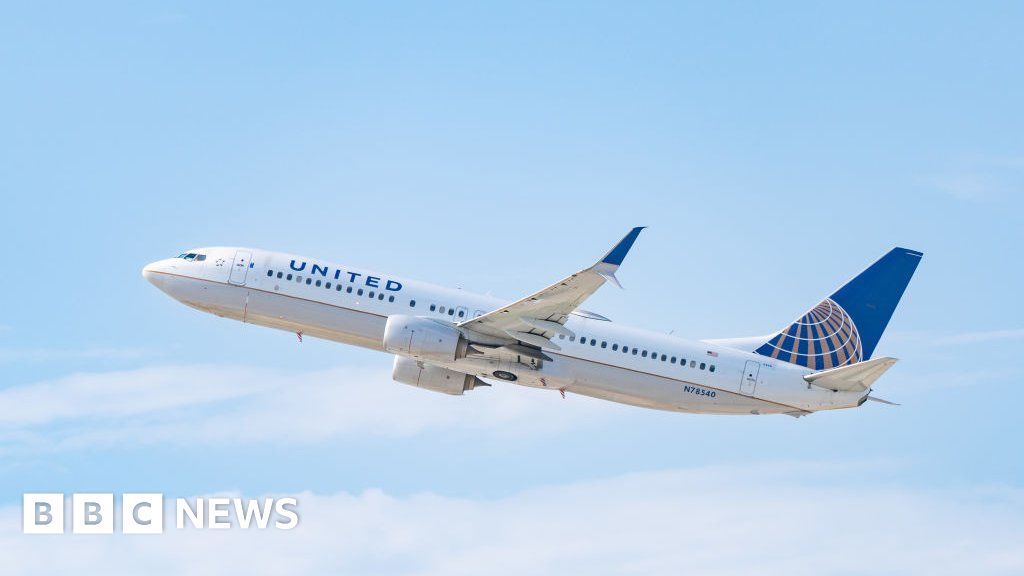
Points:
[151,272]
[148,272]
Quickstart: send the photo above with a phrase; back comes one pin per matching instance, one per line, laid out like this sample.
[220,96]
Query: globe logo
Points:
[823,338]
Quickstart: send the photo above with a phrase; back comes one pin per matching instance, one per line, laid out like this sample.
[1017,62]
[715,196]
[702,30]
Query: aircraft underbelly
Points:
[316,319]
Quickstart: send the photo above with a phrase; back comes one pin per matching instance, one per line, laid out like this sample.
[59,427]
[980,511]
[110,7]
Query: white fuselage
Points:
[655,370]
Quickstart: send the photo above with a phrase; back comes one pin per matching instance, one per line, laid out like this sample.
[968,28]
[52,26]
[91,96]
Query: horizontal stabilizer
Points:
[852,378]
[880,400]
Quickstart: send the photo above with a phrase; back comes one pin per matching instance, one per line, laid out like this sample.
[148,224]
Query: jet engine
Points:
[436,378]
[424,339]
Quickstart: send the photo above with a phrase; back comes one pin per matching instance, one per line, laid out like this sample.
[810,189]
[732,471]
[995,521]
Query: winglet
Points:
[616,255]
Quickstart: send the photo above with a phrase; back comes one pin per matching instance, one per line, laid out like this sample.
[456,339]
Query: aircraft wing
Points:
[536,319]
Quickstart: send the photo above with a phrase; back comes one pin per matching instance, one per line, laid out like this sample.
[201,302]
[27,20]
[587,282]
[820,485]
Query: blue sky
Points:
[774,151]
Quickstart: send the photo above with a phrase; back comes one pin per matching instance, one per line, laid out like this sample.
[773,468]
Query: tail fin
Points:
[845,327]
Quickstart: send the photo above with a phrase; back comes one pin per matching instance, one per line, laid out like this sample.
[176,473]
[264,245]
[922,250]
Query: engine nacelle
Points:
[436,378]
[423,339]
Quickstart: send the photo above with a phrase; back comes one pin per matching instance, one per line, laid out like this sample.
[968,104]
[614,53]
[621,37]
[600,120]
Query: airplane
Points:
[453,341]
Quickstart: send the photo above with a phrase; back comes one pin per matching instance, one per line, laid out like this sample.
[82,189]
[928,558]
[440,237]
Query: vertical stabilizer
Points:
[845,327]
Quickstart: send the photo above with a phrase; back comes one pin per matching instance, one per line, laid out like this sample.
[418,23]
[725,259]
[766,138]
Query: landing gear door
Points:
[240,267]
[749,379]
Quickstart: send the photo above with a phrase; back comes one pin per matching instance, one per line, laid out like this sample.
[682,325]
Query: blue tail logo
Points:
[825,337]
[845,327]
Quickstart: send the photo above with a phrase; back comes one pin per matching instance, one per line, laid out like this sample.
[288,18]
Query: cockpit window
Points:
[192,256]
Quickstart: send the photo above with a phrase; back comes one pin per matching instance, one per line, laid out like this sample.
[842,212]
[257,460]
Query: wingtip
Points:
[616,255]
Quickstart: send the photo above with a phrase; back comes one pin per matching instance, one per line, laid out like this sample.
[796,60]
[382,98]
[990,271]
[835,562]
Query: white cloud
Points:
[977,337]
[979,178]
[792,520]
[927,382]
[9,355]
[205,404]
[937,339]
[123,393]
[969,186]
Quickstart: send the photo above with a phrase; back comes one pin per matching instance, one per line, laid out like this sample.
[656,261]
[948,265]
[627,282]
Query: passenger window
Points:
[462,313]
[338,287]
[391,298]
[572,338]
[318,284]
[359,292]
[298,278]
[561,336]
[451,311]
[440,309]
[634,352]
[682,362]
[278,274]
[593,341]
[702,365]
[663,357]
[380,296]
[432,307]
[711,368]
[371,294]
[328,285]
[693,363]
[348,290]
[289,277]
[270,273]
[309,281]
[615,347]
[673,360]
[604,343]
[644,354]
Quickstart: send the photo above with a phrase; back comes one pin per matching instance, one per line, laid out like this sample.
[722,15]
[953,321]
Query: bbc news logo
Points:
[143,513]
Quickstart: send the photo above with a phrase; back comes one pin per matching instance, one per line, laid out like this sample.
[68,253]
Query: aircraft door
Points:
[240,267]
[749,379]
